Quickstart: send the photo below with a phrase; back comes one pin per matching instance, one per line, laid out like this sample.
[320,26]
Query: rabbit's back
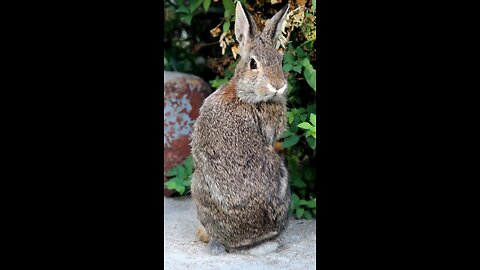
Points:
[229,145]
[240,184]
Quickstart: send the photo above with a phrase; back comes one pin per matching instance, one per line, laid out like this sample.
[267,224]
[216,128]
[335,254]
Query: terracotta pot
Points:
[183,96]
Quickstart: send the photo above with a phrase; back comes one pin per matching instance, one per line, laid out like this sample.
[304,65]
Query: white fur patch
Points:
[274,90]
[271,88]
[281,90]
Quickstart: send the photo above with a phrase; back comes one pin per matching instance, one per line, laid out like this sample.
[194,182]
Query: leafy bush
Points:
[298,44]
[180,177]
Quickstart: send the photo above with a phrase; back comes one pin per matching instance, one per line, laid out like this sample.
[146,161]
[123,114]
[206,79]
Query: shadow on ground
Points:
[183,250]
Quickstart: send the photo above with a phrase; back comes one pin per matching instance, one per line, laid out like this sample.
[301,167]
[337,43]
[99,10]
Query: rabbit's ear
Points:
[273,27]
[245,27]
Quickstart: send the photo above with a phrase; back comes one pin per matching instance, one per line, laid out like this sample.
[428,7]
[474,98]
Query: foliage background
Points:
[199,39]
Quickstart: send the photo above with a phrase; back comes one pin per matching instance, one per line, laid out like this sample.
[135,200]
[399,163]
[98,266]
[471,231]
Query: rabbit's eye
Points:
[253,64]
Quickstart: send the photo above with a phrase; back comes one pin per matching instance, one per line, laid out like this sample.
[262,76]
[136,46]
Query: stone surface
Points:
[183,250]
[183,97]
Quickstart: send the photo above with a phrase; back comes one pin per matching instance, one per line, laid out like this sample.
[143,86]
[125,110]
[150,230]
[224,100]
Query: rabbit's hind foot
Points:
[215,248]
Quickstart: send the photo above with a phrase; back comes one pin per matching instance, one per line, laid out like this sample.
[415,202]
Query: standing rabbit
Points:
[240,184]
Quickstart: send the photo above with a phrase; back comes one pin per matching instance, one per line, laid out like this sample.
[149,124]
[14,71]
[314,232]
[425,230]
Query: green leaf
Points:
[302,202]
[305,125]
[293,126]
[307,215]
[314,211]
[312,142]
[188,165]
[178,180]
[305,61]
[299,212]
[291,117]
[297,68]
[180,189]
[300,110]
[182,173]
[303,117]
[172,172]
[300,53]
[194,4]
[286,134]
[312,108]
[228,73]
[311,76]
[229,7]
[218,82]
[290,141]
[227,14]
[183,9]
[288,58]
[287,67]
[171,185]
[294,201]
[299,183]
[295,198]
[226,26]
[311,203]
[313,119]
[188,182]
[178,184]
[314,5]
[187,18]
[206,4]
[234,64]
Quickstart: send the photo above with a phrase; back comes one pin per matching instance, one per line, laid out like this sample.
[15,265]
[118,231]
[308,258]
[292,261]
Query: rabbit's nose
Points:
[279,90]
[278,84]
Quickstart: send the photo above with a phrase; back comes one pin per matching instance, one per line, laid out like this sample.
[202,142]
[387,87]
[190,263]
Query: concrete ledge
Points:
[183,251]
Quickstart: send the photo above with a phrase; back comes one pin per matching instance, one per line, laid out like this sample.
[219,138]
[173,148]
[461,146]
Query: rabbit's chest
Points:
[271,125]
[269,132]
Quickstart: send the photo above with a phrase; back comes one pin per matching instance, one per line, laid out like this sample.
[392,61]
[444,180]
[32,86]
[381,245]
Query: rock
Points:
[183,96]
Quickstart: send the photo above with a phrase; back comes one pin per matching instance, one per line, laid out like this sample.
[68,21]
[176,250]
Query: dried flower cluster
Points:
[295,19]
[226,39]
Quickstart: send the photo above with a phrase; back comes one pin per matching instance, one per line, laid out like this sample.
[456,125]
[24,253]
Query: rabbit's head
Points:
[259,76]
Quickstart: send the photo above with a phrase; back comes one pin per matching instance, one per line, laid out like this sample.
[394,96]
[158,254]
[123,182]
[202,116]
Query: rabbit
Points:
[240,183]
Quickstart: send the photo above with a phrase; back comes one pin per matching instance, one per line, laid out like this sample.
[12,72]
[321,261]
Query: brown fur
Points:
[229,93]
[240,183]
[202,234]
